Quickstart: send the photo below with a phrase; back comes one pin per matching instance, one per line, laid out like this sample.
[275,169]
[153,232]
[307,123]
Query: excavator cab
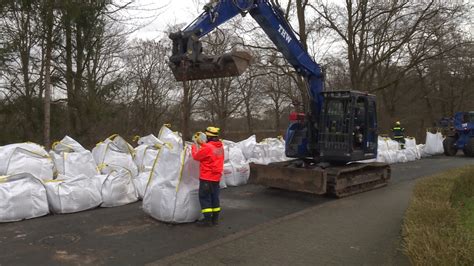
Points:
[348,127]
[187,61]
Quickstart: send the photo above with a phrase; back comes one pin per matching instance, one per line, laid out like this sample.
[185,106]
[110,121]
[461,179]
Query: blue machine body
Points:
[464,128]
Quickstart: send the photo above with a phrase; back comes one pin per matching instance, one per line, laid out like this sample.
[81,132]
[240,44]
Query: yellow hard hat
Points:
[212,131]
[397,123]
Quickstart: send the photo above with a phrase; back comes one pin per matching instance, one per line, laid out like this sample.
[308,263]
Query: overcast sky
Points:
[152,17]
[157,15]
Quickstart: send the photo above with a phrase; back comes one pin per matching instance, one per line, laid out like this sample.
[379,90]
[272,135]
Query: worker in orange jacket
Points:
[210,155]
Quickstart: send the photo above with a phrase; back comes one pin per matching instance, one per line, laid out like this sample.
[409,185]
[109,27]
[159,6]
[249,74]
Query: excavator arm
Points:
[189,63]
[325,133]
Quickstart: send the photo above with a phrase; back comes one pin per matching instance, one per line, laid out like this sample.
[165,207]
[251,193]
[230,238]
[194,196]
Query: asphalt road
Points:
[259,226]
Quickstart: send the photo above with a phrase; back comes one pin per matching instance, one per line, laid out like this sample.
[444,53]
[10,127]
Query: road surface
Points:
[259,226]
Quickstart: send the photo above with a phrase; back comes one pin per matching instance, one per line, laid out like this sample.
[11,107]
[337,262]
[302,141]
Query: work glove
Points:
[199,138]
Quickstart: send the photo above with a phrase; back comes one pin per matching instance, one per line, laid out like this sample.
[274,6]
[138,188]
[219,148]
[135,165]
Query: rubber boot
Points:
[215,218]
[206,222]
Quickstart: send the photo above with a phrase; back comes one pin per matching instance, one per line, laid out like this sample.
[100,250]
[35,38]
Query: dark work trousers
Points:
[209,198]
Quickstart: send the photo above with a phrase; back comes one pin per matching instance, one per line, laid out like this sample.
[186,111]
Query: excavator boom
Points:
[338,128]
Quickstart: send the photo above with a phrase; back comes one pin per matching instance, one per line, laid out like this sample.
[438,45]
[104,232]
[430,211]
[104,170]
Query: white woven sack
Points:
[23,196]
[71,159]
[26,158]
[117,187]
[114,152]
[247,146]
[141,182]
[172,192]
[72,194]
[146,152]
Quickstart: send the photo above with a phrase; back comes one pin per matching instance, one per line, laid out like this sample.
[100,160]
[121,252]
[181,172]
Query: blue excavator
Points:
[338,129]
[462,135]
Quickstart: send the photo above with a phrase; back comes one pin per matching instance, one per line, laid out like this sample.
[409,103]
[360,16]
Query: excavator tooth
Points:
[227,65]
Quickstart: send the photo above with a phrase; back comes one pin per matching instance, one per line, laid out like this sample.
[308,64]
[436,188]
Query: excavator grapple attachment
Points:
[207,67]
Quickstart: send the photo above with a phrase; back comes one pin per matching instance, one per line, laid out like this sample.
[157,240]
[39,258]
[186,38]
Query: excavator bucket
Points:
[208,67]
[189,63]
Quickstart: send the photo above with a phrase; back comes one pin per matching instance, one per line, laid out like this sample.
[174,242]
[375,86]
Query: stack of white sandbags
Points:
[172,192]
[73,194]
[236,168]
[71,159]
[114,157]
[389,151]
[146,154]
[433,145]
[26,158]
[267,151]
[23,196]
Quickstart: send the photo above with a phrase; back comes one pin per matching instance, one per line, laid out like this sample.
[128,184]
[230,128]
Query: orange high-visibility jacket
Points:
[211,160]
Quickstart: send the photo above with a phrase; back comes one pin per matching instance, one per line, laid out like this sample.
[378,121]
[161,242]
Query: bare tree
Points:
[152,82]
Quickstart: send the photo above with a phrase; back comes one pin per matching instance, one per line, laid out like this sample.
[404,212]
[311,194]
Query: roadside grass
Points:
[438,227]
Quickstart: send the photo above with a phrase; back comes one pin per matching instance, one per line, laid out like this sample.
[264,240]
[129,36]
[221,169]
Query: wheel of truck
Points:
[449,146]
[469,148]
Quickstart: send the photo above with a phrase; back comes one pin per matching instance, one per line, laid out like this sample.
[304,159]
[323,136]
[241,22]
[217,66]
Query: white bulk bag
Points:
[382,144]
[172,192]
[141,182]
[236,170]
[400,156]
[67,144]
[434,144]
[276,149]
[387,157]
[114,152]
[260,154]
[247,146]
[420,150]
[411,154]
[410,143]
[392,145]
[146,152]
[117,187]
[26,158]
[226,145]
[22,197]
[72,194]
[71,159]
[187,207]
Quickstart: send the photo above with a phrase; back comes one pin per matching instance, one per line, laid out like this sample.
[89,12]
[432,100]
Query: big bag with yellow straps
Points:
[71,159]
[172,192]
[114,152]
[23,196]
[26,157]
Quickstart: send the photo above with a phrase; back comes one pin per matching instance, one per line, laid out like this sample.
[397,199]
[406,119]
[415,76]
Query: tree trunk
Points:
[47,77]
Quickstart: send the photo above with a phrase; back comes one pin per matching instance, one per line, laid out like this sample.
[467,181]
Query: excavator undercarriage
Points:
[338,181]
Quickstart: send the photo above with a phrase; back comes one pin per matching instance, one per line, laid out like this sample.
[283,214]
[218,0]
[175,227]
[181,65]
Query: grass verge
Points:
[438,227]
